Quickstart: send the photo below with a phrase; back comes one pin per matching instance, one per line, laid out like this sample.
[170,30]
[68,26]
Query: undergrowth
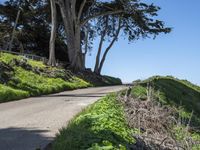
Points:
[182,94]
[177,95]
[7,93]
[33,78]
[102,126]
[23,77]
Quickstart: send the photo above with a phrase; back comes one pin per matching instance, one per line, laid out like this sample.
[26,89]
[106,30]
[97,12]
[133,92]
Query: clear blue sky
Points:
[177,53]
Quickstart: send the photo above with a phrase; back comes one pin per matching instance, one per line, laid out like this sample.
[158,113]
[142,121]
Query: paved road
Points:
[32,123]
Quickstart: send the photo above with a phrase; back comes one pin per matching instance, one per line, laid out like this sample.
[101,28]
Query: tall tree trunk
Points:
[73,22]
[77,62]
[108,48]
[68,30]
[72,29]
[100,48]
[98,55]
[52,58]
[14,28]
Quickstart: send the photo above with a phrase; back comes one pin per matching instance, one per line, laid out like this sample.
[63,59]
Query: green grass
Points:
[180,94]
[9,94]
[112,81]
[102,126]
[139,92]
[7,58]
[35,78]
[24,83]
[38,64]
[37,85]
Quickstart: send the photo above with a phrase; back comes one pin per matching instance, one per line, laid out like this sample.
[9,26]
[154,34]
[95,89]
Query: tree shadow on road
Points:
[77,95]
[23,139]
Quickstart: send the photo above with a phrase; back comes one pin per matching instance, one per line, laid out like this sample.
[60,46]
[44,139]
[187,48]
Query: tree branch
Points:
[109,47]
[81,9]
[73,9]
[100,46]
[100,14]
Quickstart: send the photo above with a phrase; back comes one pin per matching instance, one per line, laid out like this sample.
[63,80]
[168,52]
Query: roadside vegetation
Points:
[168,113]
[102,126]
[177,93]
[21,78]
[158,113]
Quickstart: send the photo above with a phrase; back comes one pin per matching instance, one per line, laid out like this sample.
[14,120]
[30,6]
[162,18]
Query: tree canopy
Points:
[80,22]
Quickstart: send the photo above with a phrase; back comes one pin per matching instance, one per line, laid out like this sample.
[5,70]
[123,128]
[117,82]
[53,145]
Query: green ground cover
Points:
[102,126]
[21,78]
[23,82]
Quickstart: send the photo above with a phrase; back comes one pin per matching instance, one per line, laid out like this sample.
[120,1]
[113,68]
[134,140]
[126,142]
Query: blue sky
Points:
[177,53]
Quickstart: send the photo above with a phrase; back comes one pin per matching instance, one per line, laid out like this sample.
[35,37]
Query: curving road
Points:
[32,123]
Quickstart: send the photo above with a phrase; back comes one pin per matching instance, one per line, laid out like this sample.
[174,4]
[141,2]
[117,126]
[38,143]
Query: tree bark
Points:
[14,28]
[100,48]
[73,23]
[108,48]
[68,29]
[52,58]
[86,46]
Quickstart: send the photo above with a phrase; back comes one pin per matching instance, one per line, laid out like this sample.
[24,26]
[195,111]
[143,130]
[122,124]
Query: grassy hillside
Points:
[21,78]
[170,108]
[174,92]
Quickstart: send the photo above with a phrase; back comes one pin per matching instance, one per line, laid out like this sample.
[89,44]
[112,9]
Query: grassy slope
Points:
[101,126]
[25,83]
[178,93]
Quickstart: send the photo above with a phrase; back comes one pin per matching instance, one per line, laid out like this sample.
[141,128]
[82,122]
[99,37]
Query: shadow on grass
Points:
[82,135]
[23,139]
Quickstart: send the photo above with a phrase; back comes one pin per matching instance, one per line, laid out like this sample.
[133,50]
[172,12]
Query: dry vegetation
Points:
[160,127]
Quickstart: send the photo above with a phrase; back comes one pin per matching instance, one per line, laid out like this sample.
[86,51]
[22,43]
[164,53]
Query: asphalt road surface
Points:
[32,123]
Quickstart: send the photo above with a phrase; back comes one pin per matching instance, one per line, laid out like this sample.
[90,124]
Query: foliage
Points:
[35,78]
[181,134]
[33,30]
[177,92]
[111,80]
[24,83]
[180,96]
[139,92]
[7,58]
[37,64]
[7,93]
[99,127]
